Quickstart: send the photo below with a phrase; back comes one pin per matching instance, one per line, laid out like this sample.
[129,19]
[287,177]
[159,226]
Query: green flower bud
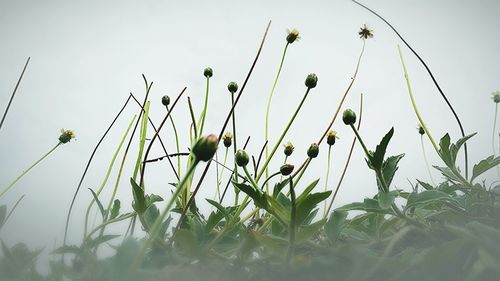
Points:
[349,117]
[420,129]
[204,149]
[288,148]
[232,87]
[227,139]
[496,96]
[311,80]
[286,169]
[241,158]
[208,72]
[331,137]
[313,150]
[292,36]
[165,100]
[66,136]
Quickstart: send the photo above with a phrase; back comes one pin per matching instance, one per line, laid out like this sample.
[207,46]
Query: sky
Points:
[87,56]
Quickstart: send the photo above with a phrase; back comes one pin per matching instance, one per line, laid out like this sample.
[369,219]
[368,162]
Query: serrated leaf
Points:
[307,190]
[385,199]
[279,186]
[308,203]
[368,205]
[153,198]
[99,204]
[390,167]
[448,173]
[444,150]
[304,233]
[484,165]
[428,197]
[335,224]
[425,185]
[454,148]
[139,204]
[377,159]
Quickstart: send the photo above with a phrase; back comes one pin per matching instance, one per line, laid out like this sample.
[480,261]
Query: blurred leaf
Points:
[485,165]
[428,197]
[447,172]
[304,233]
[277,209]
[335,224]
[368,205]
[115,210]
[99,204]
[68,249]
[377,159]
[150,215]
[276,245]
[3,214]
[186,240]
[92,243]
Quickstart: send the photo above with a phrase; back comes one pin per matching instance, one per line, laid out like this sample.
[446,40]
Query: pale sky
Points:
[86,56]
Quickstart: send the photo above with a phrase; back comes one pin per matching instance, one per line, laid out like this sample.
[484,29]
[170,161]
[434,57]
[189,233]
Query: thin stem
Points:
[29,168]
[360,140]
[327,175]
[266,132]
[176,143]
[268,179]
[235,148]
[425,159]
[292,226]
[494,131]
[11,211]
[14,92]
[268,158]
[201,121]
[193,120]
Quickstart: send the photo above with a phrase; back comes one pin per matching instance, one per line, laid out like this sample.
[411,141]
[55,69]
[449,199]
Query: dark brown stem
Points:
[14,92]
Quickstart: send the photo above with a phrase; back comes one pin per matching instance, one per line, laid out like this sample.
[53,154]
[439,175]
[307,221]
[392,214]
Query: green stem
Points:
[266,133]
[360,140]
[235,147]
[268,158]
[177,144]
[250,178]
[201,121]
[269,178]
[493,135]
[327,175]
[159,221]
[292,226]
[425,159]
[219,176]
[142,140]
[29,168]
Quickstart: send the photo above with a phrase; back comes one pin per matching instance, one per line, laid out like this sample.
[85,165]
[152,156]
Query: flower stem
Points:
[425,159]
[201,121]
[177,144]
[29,168]
[327,175]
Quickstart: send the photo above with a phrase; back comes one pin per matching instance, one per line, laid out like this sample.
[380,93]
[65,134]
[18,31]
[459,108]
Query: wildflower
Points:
[208,72]
[331,136]
[288,148]
[165,100]
[311,81]
[232,87]
[496,96]
[227,139]
[420,129]
[205,148]
[365,33]
[349,117]
[313,150]
[292,36]
[241,158]
[286,169]
[66,136]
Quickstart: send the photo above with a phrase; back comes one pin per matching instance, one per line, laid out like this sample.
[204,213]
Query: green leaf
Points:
[454,148]
[153,198]
[115,210]
[377,159]
[308,190]
[304,233]
[220,208]
[308,203]
[385,199]
[277,209]
[150,215]
[390,167]
[444,150]
[258,199]
[484,165]
[92,243]
[447,172]
[368,205]
[186,240]
[213,220]
[3,214]
[428,197]
[139,204]
[425,185]
[279,186]
[68,249]
[276,245]
[335,224]
[99,204]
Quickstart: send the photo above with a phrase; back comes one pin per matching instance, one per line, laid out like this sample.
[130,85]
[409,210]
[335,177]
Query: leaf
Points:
[454,148]
[115,210]
[277,209]
[259,200]
[220,208]
[139,204]
[484,165]
[306,191]
[335,224]
[153,198]
[390,167]
[308,203]
[306,232]
[68,249]
[386,199]
[275,244]
[448,173]
[425,185]
[186,240]
[428,197]
[99,204]
[3,214]
[92,243]
[444,150]
[377,159]
[150,215]
[279,186]
[213,220]
[368,205]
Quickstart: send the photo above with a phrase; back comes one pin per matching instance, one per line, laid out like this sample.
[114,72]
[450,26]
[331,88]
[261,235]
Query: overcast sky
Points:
[86,56]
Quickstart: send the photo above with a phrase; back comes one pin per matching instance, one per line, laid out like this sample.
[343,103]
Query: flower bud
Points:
[420,129]
[227,139]
[496,96]
[292,36]
[205,148]
[288,148]
[311,81]
[349,117]
[241,158]
[66,136]
[313,150]
[286,169]
[232,87]
[365,33]
[208,72]
[165,100]
[331,137]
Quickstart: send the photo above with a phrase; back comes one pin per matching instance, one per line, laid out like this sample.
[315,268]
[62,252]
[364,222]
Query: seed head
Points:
[311,81]
[292,35]
[241,158]
[496,96]
[349,117]
[365,33]
[288,148]
[286,169]
[331,136]
[165,100]
[208,72]
[227,139]
[204,149]
[420,129]
[232,87]
[313,150]
[66,136]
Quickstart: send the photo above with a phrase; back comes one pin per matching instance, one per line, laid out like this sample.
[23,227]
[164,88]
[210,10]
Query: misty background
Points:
[86,56]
